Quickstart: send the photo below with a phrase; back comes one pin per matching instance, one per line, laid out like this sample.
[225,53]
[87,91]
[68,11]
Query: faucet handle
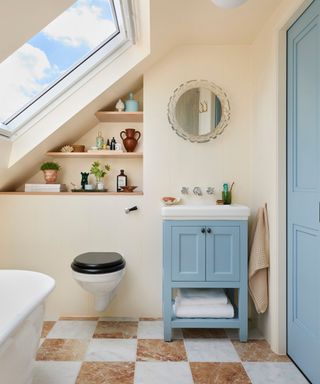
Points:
[210,190]
[197,191]
[184,190]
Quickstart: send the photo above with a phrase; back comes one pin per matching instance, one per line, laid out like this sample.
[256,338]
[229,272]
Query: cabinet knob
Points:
[203,230]
[209,230]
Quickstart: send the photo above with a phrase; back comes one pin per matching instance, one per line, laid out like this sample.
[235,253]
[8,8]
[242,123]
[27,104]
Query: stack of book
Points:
[45,188]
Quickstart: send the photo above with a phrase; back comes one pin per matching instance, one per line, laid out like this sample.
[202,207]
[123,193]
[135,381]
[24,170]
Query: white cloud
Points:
[80,24]
[20,76]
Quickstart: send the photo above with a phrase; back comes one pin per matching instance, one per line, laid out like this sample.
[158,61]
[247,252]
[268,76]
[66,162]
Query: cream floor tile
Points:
[211,350]
[150,330]
[163,372]
[53,372]
[154,330]
[68,329]
[274,373]
[112,350]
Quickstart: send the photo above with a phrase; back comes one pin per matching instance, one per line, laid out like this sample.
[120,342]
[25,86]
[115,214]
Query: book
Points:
[45,188]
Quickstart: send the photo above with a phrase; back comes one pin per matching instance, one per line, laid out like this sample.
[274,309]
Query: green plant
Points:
[50,165]
[98,170]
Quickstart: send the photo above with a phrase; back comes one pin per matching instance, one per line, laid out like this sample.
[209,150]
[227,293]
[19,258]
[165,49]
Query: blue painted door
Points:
[189,252]
[222,253]
[303,192]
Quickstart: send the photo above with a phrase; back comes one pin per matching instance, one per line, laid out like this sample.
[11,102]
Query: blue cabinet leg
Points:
[167,311]
[243,314]
[167,330]
[243,332]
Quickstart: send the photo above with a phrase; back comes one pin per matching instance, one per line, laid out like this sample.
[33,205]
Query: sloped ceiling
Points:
[20,20]
[172,23]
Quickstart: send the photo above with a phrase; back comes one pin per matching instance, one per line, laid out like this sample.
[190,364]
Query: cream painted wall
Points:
[45,233]
[171,162]
[269,157]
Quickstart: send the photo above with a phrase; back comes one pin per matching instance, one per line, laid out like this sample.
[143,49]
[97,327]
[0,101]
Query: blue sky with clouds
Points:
[54,50]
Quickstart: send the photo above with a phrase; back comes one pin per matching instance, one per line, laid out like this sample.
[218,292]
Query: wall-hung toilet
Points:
[100,274]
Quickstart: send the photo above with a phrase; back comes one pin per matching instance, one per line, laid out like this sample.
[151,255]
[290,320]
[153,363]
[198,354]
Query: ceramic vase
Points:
[50,176]
[130,138]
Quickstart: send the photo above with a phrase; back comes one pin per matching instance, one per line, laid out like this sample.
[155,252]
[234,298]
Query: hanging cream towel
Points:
[259,262]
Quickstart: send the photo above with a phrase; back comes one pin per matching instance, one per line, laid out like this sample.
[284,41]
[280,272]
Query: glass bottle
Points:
[99,141]
[113,144]
[121,180]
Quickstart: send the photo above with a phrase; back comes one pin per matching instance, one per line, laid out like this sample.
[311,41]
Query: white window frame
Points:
[123,15]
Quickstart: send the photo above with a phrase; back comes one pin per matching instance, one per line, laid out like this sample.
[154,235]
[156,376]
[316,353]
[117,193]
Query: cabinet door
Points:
[222,253]
[188,254]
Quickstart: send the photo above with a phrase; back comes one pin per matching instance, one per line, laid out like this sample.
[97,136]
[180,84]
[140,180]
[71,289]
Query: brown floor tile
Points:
[79,318]
[116,330]
[219,373]
[106,373]
[158,350]
[46,328]
[62,350]
[257,350]
[204,333]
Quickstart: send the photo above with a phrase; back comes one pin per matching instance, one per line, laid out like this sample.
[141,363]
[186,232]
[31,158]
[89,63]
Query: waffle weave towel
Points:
[259,262]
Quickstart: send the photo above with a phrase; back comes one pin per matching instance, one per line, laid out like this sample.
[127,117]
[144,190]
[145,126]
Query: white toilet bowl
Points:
[100,274]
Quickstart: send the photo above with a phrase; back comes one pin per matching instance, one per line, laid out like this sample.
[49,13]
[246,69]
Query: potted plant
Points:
[99,171]
[50,171]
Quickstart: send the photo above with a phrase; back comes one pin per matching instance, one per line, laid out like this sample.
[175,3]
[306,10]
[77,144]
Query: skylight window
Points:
[57,56]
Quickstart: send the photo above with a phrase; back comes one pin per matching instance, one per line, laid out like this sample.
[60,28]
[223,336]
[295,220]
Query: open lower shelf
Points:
[205,323]
[84,155]
[139,193]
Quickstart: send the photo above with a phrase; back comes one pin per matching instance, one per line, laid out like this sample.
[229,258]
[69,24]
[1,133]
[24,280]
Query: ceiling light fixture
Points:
[228,3]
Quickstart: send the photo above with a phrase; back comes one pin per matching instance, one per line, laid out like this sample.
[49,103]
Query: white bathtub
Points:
[22,295]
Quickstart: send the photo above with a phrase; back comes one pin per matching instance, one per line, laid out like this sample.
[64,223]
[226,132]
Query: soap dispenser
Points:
[131,104]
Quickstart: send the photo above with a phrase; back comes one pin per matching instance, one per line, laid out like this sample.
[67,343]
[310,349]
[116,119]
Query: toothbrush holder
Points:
[226,197]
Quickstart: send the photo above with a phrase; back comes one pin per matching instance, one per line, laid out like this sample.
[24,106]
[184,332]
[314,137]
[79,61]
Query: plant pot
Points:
[100,186]
[50,176]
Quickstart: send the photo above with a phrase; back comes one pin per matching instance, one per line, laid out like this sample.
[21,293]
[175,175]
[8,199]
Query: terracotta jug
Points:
[129,140]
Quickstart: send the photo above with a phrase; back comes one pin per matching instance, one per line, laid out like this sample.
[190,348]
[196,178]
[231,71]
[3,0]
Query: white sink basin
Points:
[205,212]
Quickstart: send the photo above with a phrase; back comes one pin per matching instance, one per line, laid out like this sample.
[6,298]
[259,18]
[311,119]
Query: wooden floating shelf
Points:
[138,193]
[120,117]
[116,154]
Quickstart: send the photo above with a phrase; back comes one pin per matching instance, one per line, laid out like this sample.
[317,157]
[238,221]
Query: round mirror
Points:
[198,111]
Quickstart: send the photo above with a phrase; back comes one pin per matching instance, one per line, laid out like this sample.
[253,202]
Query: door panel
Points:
[303,192]
[188,254]
[222,245]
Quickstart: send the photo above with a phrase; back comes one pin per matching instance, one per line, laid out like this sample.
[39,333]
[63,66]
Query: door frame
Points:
[279,339]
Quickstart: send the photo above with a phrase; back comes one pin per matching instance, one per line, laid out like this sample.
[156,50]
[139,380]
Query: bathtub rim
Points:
[48,283]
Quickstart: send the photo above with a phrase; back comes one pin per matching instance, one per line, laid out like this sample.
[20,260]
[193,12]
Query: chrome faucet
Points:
[197,191]
[210,190]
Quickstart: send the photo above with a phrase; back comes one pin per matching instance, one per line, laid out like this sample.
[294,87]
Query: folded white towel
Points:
[201,296]
[222,311]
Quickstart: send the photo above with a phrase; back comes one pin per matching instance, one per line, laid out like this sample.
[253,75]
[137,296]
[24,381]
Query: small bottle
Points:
[108,144]
[99,141]
[121,180]
[113,144]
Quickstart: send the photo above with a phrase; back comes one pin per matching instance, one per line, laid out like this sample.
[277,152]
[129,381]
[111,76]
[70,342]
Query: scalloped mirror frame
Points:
[225,110]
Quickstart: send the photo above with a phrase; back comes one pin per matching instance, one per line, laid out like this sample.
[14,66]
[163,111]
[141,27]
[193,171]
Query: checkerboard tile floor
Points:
[119,351]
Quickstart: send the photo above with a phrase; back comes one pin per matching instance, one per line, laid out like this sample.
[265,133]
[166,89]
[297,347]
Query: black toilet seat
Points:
[98,262]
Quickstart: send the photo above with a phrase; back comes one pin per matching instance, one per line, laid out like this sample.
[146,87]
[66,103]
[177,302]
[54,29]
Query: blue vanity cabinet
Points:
[205,254]
[222,253]
[188,248]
